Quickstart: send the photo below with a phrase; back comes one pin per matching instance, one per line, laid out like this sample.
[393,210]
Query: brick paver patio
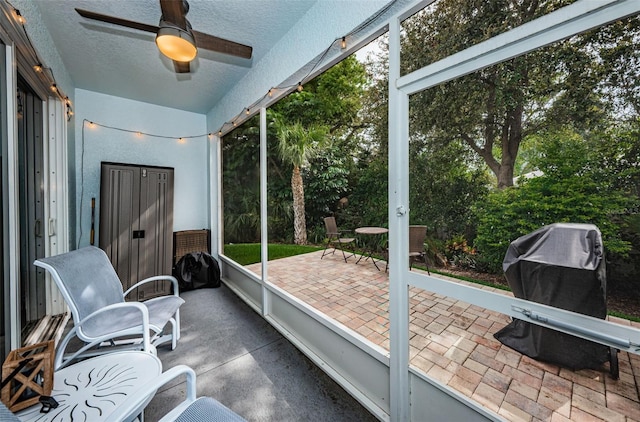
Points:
[453,342]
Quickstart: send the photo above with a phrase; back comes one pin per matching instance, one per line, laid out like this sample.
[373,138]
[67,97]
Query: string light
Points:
[19,17]
[247,111]
[40,68]
[299,87]
[181,139]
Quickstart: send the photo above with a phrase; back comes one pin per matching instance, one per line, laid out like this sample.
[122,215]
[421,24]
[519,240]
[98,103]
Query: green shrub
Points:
[568,191]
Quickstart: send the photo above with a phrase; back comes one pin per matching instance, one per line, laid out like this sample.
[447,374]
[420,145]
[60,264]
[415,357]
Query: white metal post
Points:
[215,194]
[264,235]
[398,233]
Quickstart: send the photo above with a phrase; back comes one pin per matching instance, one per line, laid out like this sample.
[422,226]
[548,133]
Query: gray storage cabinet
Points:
[136,224]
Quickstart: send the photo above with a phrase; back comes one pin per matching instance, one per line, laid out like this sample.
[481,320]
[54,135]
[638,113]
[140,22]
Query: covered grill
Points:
[560,265]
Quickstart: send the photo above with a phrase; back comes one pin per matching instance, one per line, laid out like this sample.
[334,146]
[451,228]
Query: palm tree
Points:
[296,145]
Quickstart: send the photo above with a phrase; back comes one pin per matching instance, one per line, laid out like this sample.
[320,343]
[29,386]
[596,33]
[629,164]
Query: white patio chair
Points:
[191,409]
[92,290]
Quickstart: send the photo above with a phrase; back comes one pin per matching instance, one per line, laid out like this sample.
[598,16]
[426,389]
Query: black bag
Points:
[197,270]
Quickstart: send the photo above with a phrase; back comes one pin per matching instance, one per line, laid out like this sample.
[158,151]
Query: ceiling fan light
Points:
[176,43]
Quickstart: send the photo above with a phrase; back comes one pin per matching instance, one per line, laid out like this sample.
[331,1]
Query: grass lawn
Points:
[249,253]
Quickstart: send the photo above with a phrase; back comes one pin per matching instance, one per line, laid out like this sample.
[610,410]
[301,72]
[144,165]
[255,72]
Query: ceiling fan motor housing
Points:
[176,43]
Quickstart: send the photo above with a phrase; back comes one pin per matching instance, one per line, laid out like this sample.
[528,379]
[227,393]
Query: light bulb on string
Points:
[343,43]
[20,18]
[270,93]
[299,88]
[37,68]
[247,111]
[54,88]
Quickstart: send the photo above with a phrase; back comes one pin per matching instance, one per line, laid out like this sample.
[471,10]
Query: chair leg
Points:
[343,254]
[425,264]
[174,335]
[327,247]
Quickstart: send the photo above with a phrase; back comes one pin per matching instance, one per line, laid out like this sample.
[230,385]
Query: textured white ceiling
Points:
[125,63]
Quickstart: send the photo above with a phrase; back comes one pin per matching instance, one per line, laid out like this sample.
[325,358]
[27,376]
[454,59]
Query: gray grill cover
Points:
[560,265]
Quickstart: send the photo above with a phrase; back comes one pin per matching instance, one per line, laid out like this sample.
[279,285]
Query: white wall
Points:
[189,158]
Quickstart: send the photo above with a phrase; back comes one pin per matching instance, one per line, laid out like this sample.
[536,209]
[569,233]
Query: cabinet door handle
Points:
[138,234]
[37,228]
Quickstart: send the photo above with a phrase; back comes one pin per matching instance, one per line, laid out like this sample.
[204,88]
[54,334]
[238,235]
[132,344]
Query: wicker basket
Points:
[188,241]
[35,379]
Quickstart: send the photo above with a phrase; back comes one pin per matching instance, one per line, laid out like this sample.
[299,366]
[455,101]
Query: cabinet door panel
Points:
[119,218]
[156,218]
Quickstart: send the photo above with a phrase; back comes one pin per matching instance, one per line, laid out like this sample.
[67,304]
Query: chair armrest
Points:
[142,328]
[172,279]
[136,402]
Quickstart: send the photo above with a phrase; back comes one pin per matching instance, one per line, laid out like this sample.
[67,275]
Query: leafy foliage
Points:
[568,191]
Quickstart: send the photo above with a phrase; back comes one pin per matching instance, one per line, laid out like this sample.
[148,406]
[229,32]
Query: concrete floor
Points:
[243,362]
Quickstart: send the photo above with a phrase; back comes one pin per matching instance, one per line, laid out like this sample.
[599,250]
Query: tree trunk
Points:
[299,219]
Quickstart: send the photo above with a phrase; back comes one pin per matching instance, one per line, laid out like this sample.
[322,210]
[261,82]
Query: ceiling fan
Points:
[174,36]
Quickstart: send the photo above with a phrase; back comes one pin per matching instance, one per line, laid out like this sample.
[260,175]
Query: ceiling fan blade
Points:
[220,45]
[117,21]
[174,11]
[181,67]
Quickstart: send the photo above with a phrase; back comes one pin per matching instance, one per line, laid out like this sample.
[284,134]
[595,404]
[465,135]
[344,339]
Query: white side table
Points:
[93,389]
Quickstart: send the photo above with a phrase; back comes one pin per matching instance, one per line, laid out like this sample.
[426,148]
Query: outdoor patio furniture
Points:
[96,389]
[116,387]
[370,245]
[334,238]
[191,409]
[101,317]
[417,234]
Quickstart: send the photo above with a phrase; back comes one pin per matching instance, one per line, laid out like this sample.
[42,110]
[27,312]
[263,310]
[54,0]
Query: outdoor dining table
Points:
[93,389]
[369,246]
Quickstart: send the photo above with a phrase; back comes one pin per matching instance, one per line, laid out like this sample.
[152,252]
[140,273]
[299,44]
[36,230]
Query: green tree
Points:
[331,101]
[296,145]
[494,109]
[241,183]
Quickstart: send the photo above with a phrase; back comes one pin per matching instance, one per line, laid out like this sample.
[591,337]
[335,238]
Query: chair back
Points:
[86,279]
[331,226]
[417,234]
